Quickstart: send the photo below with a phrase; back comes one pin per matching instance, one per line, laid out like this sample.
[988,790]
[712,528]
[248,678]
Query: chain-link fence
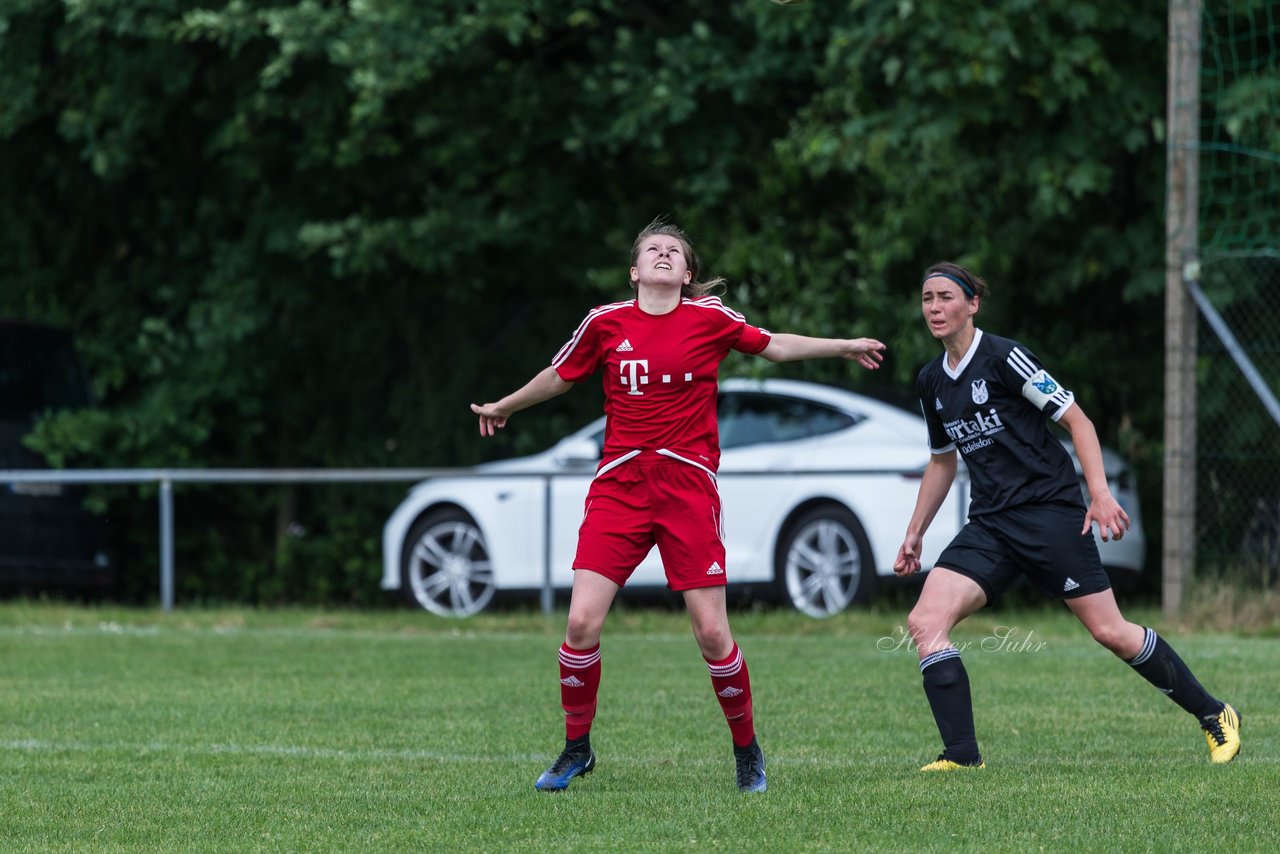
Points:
[1238,445]
[1238,368]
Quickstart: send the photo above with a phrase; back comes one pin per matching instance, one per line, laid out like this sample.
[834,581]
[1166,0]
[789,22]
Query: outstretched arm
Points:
[785,347]
[546,385]
[1103,507]
[938,476]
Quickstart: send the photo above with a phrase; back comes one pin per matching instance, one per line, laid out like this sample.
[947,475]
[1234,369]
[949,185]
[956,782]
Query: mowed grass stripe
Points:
[304,731]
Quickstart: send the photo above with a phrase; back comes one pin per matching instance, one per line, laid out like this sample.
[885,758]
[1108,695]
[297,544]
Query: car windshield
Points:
[38,372]
[753,419]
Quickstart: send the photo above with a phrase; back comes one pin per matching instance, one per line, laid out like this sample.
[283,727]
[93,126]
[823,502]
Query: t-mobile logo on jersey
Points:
[635,373]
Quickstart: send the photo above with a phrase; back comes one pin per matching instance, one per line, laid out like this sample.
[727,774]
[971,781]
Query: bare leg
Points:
[710,618]
[1148,653]
[580,670]
[1101,616]
[589,604]
[947,598]
[729,679]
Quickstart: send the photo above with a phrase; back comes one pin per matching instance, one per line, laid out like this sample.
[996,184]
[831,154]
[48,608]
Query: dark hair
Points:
[695,288]
[972,285]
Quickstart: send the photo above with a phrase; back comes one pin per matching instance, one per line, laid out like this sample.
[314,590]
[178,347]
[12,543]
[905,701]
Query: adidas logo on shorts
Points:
[715,568]
[729,691]
[1070,585]
[572,681]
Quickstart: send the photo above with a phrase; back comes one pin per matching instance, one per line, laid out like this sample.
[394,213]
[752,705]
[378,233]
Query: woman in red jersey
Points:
[660,354]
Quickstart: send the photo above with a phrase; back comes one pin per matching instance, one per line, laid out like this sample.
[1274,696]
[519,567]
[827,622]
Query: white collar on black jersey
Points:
[968,357]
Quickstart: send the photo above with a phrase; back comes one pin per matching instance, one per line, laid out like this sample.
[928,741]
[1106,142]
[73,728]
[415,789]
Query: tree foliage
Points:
[308,233]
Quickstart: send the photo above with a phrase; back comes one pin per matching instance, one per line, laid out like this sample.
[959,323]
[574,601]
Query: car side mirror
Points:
[581,451]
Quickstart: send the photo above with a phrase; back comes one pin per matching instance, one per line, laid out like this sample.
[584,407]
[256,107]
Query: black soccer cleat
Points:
[750,762]
[575,761]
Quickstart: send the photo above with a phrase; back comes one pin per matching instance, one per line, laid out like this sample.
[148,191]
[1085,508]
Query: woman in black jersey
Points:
[989,398]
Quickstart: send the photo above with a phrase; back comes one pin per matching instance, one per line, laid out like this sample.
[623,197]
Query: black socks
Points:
[946,684]
[1161,666]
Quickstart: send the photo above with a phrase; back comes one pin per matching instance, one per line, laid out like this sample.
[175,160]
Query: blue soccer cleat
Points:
[750,761]
[572,762]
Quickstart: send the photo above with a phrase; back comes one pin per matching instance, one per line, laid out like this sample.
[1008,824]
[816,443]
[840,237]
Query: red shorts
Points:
[648,501]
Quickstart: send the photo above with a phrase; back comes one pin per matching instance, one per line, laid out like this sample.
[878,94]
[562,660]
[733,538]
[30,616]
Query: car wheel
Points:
[824,563]
[445,567]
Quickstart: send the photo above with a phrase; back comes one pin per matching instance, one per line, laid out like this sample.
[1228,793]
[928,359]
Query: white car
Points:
[817,483]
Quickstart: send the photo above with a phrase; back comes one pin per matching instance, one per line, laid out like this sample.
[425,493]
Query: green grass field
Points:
[232,730]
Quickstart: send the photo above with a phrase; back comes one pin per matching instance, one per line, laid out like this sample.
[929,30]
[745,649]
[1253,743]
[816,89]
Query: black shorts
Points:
[1040,541]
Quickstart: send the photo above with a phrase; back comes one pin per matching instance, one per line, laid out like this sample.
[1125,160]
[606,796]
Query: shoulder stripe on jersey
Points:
[1020,363]
[714,302]
[572,343]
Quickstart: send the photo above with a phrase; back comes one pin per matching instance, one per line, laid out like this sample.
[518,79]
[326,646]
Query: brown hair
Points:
[695,288]
[972,285]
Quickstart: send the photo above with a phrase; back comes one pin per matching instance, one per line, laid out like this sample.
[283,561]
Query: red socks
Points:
[579,682]
[730,681]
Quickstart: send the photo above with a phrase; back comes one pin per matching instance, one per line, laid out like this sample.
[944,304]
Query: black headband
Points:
[964,286]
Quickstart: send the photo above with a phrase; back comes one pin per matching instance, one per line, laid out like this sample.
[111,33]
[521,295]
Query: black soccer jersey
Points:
[993,408]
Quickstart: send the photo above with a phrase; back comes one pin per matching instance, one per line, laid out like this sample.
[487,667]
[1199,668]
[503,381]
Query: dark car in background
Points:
[48,540]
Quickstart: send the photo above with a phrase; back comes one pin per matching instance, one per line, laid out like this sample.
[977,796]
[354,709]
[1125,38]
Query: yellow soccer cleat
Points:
[1223,735]
[943,764]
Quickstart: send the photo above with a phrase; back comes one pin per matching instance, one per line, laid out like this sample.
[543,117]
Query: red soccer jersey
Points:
[660,374]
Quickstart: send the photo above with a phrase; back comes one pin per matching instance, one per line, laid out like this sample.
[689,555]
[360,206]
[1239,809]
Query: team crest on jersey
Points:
[979,390]
[1046,385]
